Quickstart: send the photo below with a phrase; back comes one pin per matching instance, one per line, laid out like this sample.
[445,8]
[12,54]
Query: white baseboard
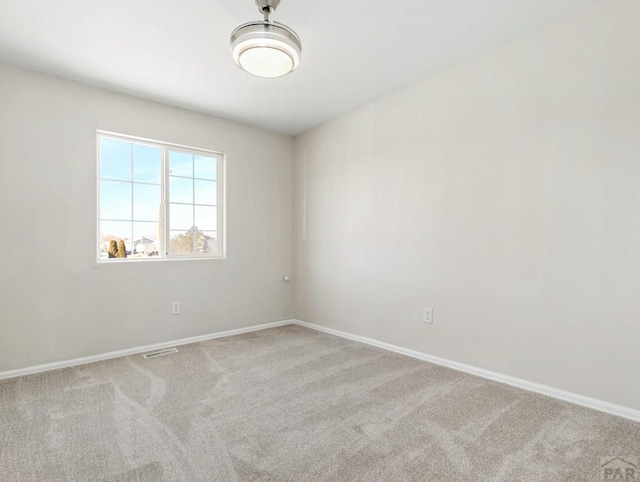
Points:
[574,398]
[139,349]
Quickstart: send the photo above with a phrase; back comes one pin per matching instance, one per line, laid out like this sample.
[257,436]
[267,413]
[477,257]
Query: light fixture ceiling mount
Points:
[265,48]
[267,6]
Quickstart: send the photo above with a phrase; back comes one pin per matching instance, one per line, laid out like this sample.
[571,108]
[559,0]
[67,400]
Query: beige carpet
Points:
[291,404]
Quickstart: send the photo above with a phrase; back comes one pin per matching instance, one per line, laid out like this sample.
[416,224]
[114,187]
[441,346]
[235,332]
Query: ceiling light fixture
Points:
[265,48]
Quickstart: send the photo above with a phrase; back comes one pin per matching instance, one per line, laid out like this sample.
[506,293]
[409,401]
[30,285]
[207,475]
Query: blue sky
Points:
[133,172]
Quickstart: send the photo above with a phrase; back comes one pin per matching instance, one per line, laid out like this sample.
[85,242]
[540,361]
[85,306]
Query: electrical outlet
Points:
[427,315]
[175,307]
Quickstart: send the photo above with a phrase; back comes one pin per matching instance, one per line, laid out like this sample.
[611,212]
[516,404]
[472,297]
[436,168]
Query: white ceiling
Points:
[177,51]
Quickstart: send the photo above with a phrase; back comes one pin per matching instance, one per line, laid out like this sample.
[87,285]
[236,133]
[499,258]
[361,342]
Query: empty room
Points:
[264,240]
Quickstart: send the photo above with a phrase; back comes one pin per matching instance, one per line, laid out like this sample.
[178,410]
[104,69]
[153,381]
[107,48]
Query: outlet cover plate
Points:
[427,315]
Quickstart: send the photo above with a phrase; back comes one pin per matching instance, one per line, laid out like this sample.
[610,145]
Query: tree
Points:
[113,249]
[192,241]
[122,250]
[200,242]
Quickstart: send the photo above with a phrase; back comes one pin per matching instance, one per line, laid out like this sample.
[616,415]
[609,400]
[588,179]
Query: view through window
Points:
[158,200]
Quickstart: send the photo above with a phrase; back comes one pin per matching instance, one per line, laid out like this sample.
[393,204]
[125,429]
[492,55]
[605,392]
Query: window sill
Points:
[104,262]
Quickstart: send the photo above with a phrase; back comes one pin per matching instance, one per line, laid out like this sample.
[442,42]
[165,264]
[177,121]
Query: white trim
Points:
[139,349]
[570,397]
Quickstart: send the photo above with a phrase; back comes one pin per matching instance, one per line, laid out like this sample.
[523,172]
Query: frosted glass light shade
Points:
[266,49]
[265,62]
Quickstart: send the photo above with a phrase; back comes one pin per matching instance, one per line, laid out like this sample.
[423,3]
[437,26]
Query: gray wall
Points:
[505,194]
[56,303]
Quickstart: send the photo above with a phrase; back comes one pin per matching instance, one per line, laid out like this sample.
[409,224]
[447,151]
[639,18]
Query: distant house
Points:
[145,246]
[210,245]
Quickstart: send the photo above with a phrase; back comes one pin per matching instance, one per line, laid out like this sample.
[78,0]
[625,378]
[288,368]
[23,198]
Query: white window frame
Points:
[221,188]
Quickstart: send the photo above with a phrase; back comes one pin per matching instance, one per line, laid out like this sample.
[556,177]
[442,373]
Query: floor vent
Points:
[166,351]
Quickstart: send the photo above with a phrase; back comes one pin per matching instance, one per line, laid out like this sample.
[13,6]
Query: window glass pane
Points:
[180,190]
[180,216]
[115,200]
[180,164]
[147,162]
[205,192]
[181,242]
[116,230]
[113,230]
[146,240]
[206,218]
[210,243]
[205,167]
[146,202]
[115,159]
